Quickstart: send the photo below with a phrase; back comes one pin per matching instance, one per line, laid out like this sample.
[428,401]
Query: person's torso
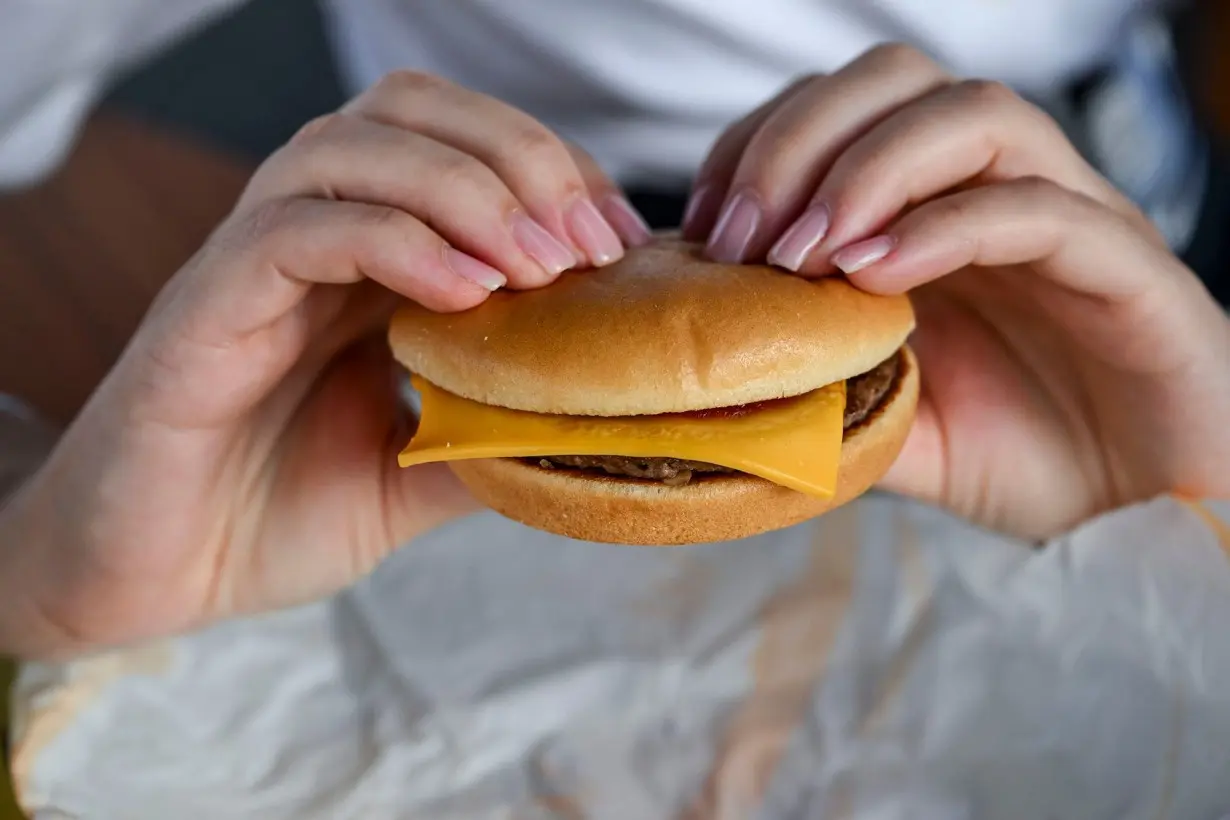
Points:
[646,85]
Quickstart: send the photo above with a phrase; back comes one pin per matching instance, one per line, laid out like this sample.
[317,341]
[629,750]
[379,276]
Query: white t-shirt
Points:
[645,85]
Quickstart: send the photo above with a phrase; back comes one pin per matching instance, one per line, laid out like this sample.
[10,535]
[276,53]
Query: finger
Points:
[422,498]
[919,469]
[532,161]
[272,256]
[1030,220]
[341,451]
[713,178]
[238,314]
[406,503]
[792,151]
[615,207]
[1094,255]
[351,158]
[968,132]
[409,502]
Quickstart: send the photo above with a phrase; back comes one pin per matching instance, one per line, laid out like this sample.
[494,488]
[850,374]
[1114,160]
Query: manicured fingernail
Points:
[801,238]
[863,254]
[735,230]
[701,202]
[626,220]
[472,270]
[541,246]
[592,233]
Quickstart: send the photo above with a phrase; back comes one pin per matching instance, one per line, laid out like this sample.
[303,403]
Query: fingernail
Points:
[472,270]
[797,243]
[592,233]
[735,229]
[627,221]
[699,203]
[863,254]
[541,246]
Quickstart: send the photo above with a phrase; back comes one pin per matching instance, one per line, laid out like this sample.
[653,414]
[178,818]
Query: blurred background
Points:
[172,143]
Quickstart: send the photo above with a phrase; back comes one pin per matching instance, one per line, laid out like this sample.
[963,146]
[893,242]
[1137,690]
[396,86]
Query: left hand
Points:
[241,455]
[1071,364]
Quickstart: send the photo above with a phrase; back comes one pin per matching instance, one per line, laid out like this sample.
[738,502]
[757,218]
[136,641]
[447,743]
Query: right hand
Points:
[241,456]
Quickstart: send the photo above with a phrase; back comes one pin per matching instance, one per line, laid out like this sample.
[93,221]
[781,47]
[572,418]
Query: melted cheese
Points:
[796,443]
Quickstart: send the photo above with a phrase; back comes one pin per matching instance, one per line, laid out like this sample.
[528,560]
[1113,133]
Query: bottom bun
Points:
[594,507]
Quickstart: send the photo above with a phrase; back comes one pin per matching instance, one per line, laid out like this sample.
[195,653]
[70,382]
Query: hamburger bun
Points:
[663,330]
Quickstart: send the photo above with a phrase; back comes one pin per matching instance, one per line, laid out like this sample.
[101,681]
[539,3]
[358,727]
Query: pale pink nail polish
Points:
[540,245]
[592,233]
[863,254]
[627,222]
[472,270]
[797,243]
[735,229]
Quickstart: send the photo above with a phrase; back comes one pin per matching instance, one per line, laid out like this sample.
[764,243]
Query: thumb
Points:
[423,497]
[921,468]
[339,465]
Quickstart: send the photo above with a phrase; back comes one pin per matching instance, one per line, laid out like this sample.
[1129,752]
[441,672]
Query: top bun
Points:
[663,330]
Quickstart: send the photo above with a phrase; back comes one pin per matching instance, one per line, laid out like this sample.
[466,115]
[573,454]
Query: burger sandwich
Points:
[665,399]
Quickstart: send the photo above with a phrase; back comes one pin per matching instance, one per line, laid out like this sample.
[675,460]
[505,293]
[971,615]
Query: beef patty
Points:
[863,395]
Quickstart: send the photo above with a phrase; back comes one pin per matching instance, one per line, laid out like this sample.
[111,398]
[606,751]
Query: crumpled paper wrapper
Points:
[882,662]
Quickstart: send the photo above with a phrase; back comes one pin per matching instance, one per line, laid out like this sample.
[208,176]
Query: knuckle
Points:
[314,128]
[1043,192]
[804,81]
[780,140]
[1036,185]
[1080,208]
[386,219]
[956,210]
[773,152]
[407,81]
[1042,195]
[267,230]
[400,234]
[536,145]
[314,144]
[456,172]
[988,93]
[380,230]
[899,57]
[386,227]
[265,226]
[587,165]
[769,172]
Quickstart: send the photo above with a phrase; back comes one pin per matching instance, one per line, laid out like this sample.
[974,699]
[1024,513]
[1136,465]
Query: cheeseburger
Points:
[665,399]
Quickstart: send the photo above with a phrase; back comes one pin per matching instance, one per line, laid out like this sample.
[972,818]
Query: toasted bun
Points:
[624,511]
[662,331]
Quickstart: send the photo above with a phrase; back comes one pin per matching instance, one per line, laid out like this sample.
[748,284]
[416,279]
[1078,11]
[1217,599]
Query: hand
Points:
[242,454]
[1071,364]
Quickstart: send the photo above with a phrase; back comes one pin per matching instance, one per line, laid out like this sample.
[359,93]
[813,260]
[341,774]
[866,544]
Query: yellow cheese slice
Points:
[795,443]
